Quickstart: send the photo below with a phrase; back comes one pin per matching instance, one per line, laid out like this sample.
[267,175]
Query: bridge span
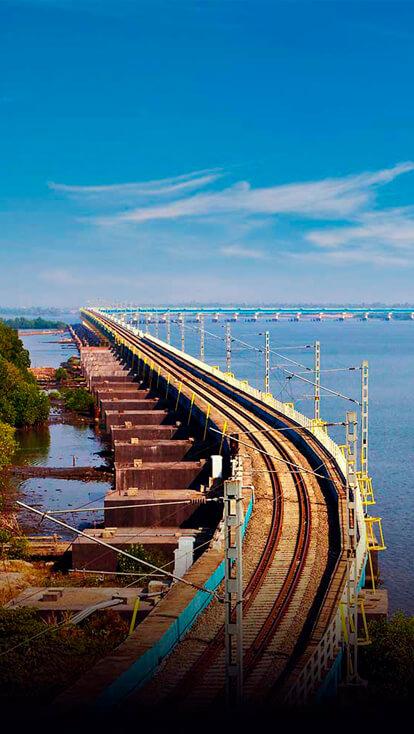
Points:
[286,629]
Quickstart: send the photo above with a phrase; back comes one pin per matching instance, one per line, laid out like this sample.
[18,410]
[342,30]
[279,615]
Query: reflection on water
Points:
[57,494]
[59,445]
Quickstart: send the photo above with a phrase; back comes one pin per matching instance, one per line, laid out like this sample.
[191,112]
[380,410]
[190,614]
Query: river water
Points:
[59,445]
[389,347]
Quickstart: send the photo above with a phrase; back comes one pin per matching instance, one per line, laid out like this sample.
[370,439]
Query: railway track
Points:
[290,580]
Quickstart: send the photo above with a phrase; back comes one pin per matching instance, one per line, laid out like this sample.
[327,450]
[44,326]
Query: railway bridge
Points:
[271,611]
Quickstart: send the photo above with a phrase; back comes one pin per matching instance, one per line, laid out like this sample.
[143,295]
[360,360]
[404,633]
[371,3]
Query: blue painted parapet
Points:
[145,667]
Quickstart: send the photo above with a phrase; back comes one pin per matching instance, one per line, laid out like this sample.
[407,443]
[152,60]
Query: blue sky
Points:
[213,150]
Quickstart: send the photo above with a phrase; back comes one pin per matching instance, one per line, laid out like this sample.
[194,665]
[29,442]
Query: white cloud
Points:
[181,222]
[394,228]
[329,199]
[243,252]
[159,187]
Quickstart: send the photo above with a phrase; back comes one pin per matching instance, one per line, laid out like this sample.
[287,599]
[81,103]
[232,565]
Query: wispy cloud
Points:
[193,215]
[394,227]
[335,198]
[248,253]
[159,187]
[381,237]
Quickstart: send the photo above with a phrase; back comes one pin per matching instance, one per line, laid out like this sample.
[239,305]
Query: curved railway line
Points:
[287,592]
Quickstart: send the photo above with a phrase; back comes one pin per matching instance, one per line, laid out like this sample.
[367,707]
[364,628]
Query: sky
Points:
[206,151]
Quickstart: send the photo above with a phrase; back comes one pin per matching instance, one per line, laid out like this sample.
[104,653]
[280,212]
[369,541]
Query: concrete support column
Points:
[183,555]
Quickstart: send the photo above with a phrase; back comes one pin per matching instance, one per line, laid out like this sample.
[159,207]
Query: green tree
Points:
[21,322]
[12,349]
[79,400]
[127,565]
[7,444]
[21,401]
[388,663]
[61,375]
[31,405]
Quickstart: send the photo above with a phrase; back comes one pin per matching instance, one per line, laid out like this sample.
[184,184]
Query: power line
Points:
[113,548]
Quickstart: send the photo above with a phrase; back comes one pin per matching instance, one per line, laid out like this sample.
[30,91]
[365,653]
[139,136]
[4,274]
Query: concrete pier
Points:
[151,508]
[152,451]
[145,433]
[136,417]
[160,475]
[89,555]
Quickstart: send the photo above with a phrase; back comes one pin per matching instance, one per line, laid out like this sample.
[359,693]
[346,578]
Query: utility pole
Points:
[351,529]
[233,586]
[156,323]
[364,417]
[168,327]
[317,388]
[182,330]
[267,363]
[228,347]
[202,335]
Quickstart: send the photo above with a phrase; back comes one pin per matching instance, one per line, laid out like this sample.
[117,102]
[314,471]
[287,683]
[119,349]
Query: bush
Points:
[15,547]
[61,375]
[21,322]
[127,565]
[388,663]
[18,548]
[12,349]
[79,400]
[37,670]
[21,401]
[7,444]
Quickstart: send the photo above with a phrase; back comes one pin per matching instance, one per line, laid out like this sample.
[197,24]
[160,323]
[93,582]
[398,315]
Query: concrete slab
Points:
[150,508]
[133,392]
[145,433]
[57,602]
[86,554]
[137,417]
[129,404]
[161,475]
[150,450]
[375,603]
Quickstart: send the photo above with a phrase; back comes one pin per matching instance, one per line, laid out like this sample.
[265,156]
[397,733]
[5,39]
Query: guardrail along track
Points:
[288,587]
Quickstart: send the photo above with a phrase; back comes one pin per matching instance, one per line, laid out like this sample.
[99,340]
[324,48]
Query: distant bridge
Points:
[253,312]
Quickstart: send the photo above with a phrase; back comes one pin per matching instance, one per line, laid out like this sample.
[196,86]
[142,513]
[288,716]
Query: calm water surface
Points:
[56,445]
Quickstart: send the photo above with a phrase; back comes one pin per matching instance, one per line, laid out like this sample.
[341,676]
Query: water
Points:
[45,350]
[57,494]
[55,445]
[389,347]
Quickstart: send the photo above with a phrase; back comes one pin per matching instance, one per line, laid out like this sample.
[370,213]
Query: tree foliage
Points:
[21,322]
[127,565]
[51,658]
[388,663]
[79,400]
[21,401]
[12,349]
[61,375]
[7,444]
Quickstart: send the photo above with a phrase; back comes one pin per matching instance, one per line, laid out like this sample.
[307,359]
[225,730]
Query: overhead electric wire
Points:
[99,541]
